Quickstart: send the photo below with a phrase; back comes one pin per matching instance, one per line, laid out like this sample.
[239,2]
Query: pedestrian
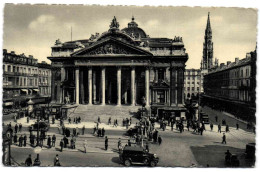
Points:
[224,139]
[129,143]
[83,130]
[15,128]
[20,141]
[99,120]
[69,119]
[227,128]
[109,121]
[211,126]
[57,160]
[53,140]
[201,130]
[28,161]
[79,119]
[219,128]
[20,127]
[85,146]
[159,140]
[103,132]
[53,120]
[61,145]
[24,140]
[106,143]
[15,138]
[216,118]
[237,125]
[66,141]
[71,143]
[49,141]
[119,143]
[130,121]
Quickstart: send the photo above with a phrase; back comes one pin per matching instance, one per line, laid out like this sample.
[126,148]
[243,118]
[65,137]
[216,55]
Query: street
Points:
[177,149]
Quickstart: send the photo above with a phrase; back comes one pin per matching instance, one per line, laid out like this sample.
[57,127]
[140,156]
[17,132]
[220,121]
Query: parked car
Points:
[250,151]
[134,131]
[233,161]
[137,155]
[43,125]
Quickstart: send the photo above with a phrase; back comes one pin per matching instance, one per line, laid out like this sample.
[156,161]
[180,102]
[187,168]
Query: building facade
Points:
[231,87]
[120,67]
[20,79]
[192,83]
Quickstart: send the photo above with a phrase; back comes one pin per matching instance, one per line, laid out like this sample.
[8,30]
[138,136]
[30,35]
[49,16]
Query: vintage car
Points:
[250,151]
[137,155]
[43,125]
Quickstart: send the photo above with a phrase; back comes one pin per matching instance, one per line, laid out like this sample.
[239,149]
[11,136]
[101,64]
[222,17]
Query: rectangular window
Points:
[160,74]
[160,96]
[188,88]
[192,88]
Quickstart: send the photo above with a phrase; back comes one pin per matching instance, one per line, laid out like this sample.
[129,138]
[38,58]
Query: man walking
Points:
[211,126]
[49,141]
[219,128]
[53,140]
[61,145]
[57,160]
[28,161]
[159,140]
[24,140]
[237,125]
[83,130]
[106,143]
[224,139]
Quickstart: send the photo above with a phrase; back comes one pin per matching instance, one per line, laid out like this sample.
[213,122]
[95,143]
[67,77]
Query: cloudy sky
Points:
[33,29]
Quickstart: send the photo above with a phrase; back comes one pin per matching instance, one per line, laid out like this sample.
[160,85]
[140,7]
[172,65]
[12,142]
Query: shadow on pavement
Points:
[214,156]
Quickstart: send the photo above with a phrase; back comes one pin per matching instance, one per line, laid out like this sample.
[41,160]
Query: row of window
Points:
[192,89]
[25,70]
[192,78]
[193,82]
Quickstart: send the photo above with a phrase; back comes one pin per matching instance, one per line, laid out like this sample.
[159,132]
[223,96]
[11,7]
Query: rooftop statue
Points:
[114,24]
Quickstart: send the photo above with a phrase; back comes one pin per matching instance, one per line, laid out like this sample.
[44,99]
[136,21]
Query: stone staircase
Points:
[91,113]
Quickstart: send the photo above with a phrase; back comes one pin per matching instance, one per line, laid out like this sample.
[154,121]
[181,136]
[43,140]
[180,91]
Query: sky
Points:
[33,29]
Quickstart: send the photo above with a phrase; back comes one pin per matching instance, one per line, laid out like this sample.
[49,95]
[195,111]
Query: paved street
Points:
[178,149]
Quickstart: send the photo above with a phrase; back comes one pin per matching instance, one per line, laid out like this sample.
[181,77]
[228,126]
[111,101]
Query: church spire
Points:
[207,59]
[208,23]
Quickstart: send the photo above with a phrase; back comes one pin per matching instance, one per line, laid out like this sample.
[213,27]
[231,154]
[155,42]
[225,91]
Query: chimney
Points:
[222,65]
[248,55]
[30,56]
[4,50]
[228,62]
[236,60]
[12,52]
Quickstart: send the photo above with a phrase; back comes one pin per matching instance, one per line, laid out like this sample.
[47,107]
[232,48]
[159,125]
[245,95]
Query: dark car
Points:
[134,131]
[250,151]
[137,155]
[43,125]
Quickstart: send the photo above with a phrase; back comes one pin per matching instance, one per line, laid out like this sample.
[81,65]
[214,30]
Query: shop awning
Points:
[8,103]
[25,90]
[37,90]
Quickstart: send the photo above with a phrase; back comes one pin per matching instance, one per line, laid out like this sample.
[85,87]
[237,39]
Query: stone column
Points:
[172,86]
[103,80]
[133,86]
[82,94]
[77,84]
[119,86]
[147,86]
[90,86]
[63,77]
[94,87]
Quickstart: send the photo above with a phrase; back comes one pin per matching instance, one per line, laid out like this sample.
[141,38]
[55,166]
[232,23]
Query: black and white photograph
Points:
[128,86]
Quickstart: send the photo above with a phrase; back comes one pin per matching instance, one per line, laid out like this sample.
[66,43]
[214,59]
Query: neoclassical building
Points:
[120,67]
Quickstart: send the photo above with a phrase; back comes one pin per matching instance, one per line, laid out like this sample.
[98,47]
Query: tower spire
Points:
[208,23]
[207,59]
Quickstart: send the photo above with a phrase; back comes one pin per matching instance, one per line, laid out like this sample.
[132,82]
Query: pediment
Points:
[111,47]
